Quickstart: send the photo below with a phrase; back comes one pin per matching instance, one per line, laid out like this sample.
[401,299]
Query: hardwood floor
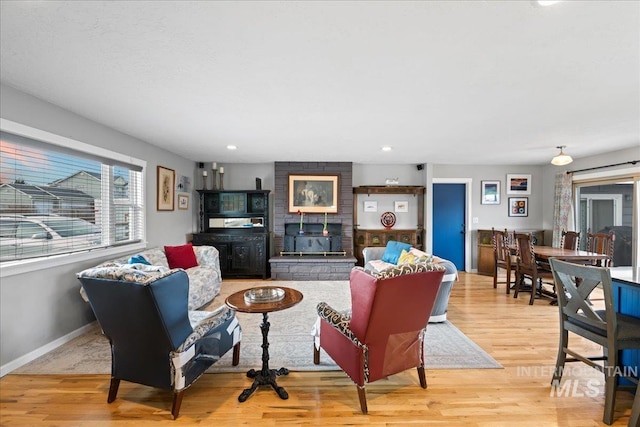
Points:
[521,337]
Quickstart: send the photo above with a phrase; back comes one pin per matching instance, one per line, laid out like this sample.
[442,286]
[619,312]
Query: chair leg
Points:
[495,275]
[362,395]
[113,390]
[422,376]
[177,401]
[508,280]
[236,354]
[316,355]
[561,359]
[610,381]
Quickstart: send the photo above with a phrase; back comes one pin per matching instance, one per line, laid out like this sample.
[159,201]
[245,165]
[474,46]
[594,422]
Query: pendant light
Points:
[561,159]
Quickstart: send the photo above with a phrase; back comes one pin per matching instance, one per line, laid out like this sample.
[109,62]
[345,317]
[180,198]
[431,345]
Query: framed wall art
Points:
[401,206]
[518,206]
[183,201]
[313,193]
[518,184]
[165,188]
[490,192]
[371,206]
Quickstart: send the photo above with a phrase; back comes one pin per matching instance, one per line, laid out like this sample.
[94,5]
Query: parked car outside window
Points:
[26,236]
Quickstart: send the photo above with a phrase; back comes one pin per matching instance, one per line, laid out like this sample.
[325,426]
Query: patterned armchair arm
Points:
[339,321]
[205,323]
[213,335]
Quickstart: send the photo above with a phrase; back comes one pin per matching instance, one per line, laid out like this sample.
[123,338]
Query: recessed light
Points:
[547,2]
[386,148]
[231,147]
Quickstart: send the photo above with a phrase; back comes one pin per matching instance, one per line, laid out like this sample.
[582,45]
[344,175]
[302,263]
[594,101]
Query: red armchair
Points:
[384,332]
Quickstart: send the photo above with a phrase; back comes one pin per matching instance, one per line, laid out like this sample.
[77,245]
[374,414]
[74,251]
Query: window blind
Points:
[54,199]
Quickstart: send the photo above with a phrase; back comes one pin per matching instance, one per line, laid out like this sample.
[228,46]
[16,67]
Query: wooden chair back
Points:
[602,243]
[570,240]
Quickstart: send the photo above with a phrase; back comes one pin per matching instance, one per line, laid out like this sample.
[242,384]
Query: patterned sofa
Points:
[205,279]
[373,262]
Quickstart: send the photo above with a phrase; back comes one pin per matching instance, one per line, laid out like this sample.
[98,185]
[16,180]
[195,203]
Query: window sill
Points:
[13,268]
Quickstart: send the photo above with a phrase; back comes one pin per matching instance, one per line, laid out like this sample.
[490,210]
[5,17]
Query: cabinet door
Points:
[224,257]
[247,256]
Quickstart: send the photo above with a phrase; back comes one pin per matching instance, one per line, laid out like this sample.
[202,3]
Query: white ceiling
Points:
[449,82]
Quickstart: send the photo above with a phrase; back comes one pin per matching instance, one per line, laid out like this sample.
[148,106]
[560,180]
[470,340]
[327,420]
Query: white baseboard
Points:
[23,360]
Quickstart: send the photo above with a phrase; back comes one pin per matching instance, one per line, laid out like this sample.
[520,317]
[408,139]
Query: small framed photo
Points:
[165,190]
[183,201]
[518,206]
[371,206]
[490,193]
[518,184]
[401,206]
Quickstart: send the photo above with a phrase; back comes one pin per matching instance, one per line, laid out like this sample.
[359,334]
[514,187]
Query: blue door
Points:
[449,222]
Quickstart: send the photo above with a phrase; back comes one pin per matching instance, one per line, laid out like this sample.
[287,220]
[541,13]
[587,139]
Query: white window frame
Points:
[11,268]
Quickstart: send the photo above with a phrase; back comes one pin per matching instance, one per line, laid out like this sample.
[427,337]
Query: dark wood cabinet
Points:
[237,224]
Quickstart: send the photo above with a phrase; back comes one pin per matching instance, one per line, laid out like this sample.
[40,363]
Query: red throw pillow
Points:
[181,256]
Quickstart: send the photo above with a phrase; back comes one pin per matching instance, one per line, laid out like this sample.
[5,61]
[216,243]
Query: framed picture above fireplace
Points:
[313,193]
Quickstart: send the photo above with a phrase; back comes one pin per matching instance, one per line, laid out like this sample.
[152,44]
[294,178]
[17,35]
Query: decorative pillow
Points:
[406,258]
[377,265]
[393,250]
[138,259]
[181,256]
[422,256]
[408,269]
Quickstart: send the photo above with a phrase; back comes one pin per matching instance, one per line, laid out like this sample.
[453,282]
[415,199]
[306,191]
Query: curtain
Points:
[562,207]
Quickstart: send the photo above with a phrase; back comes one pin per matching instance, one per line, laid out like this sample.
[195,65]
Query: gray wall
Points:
[41,306]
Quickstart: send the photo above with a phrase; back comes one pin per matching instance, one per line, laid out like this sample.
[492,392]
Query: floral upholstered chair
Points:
[383,333]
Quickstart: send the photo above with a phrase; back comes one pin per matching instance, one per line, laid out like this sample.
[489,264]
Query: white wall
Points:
[41,306]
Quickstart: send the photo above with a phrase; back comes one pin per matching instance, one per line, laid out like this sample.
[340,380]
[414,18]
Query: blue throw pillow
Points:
[393,250]
[138,259]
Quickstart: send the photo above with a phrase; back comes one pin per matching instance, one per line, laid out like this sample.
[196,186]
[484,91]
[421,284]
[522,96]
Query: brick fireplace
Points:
[319,266]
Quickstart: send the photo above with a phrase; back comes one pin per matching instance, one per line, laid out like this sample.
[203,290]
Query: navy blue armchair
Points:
[154,339]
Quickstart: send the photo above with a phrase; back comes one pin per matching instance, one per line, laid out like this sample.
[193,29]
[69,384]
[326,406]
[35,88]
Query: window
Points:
[609,202]
[61,196]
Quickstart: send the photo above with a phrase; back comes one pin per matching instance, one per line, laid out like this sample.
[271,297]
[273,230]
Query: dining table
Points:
[543,253]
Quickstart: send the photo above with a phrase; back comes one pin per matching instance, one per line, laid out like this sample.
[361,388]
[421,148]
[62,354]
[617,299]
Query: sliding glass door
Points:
[610,203]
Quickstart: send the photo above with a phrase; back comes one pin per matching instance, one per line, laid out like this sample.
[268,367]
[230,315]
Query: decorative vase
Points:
[325,232]
[301,231]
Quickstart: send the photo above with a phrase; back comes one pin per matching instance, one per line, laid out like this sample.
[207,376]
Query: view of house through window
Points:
[609,205]
[56,200]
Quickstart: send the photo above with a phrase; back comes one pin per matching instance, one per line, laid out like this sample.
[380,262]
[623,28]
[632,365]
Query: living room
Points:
[48,295]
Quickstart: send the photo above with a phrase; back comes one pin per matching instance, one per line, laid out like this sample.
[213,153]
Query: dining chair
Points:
[601,243]
[528,266]
[502,258]
[612,330]
[570,240]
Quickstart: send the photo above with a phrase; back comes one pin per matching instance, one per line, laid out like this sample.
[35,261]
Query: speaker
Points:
[200,165]
[420,166]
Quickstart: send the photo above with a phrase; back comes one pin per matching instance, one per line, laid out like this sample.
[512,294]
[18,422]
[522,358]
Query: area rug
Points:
[291,342]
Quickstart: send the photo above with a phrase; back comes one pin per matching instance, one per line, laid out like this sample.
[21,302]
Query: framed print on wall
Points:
[518,206]
[518,184]
[183,201]
[401,206]
[490,193]
[165,188]
[313,193]
[371,206]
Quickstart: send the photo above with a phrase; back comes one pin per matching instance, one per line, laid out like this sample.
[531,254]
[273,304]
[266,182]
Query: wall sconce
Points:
[561,159]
